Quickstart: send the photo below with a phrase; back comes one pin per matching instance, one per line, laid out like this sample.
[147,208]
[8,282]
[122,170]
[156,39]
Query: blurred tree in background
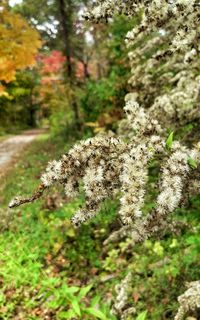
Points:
[19,44]
[103,95]
[81,72]
[59,23]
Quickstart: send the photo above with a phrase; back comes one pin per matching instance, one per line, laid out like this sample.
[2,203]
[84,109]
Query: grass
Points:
[49,270]
[39,250]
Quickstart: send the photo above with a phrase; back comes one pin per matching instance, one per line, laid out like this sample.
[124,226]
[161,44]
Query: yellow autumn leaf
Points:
[19,44]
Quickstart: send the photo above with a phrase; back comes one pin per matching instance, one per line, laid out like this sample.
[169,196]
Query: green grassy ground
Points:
[49,270]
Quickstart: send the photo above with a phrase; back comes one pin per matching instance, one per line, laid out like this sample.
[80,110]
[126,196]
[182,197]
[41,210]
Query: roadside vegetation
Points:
[49,270]
[64,71]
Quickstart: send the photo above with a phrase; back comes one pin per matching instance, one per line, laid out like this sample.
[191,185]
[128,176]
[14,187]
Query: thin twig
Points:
[18,201]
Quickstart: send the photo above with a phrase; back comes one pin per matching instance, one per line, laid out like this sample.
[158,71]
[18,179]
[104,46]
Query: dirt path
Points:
[12,146]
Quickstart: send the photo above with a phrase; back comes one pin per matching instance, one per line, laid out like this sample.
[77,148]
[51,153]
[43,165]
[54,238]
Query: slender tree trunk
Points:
[32,110]
[66,28]
[86,72]
[66,12]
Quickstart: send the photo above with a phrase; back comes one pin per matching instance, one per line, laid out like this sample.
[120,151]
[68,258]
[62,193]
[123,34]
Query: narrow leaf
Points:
[97,313]
[142,316]
[192,163]
[67,289]
[169,140]
[95,301]
[70,314]
[76,308]
[83,292]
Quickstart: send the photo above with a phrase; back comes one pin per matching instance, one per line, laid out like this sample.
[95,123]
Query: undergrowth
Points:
[49,270]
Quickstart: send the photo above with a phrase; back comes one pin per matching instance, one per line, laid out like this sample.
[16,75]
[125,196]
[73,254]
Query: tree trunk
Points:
[86,72]
[66,28]
[66,23]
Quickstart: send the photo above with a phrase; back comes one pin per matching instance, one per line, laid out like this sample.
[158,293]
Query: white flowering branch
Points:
[189,301]
[108,165]
[121,307]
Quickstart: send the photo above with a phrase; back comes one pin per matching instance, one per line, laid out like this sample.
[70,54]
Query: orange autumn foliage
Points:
[19,44]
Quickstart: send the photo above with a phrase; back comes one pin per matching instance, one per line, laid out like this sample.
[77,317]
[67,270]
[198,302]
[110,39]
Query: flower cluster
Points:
[164,55]
[108,165]
[96,162]
[174,174]
[106,9]
[155,14]
[189,300]
[121,307]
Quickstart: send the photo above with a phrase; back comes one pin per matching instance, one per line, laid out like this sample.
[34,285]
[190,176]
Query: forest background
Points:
[69,76]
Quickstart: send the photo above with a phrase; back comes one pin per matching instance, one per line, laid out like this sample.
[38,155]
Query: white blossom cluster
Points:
[174,174]
[121,307]
[189,301]
[169,90]
[182,104]
[165,49]
[134,178]
[97,163]
[155,14]
[106,9]
[108,165]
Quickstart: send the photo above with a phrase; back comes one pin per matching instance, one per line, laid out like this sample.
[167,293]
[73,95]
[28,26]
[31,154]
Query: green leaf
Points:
[95,300]
[67,289]
[54,304]
[158,249]
[97,313]
[193,240]
[70,314]
[192,163]
[76,307]
[169,140]
[142,316]
[83,292]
